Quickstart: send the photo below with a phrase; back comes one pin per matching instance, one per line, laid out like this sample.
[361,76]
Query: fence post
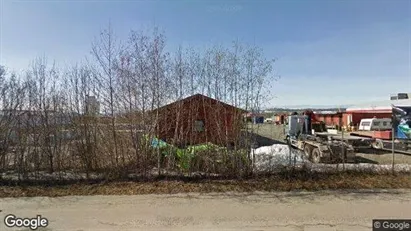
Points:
[393,149]
[343,148]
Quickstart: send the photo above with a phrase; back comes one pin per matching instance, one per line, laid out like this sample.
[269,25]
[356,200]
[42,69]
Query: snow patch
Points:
[272,158]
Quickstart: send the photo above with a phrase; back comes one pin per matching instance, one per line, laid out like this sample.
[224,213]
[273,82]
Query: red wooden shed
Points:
[199,119]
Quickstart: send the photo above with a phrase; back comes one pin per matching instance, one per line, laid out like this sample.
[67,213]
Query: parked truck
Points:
[320,146]
[381,131]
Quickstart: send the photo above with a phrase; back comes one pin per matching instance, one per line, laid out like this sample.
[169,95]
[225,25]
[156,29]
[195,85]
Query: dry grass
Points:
[279,182]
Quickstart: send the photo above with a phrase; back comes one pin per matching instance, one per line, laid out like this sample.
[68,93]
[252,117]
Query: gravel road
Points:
[325,210]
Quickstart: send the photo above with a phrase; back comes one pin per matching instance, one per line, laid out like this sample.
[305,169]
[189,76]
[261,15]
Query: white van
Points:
[375,124]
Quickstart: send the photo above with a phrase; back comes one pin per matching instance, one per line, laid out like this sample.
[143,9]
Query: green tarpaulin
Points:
[184,156]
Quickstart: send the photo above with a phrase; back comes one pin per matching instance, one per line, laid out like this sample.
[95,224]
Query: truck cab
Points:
[296,125]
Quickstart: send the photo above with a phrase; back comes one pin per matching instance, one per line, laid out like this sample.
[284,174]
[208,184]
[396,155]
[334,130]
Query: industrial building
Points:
[280,118]
[331,119]
[92,106]
[381,109]
[352,116]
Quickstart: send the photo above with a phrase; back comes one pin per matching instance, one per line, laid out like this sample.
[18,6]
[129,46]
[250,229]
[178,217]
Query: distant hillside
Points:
[320,107]
[302,109]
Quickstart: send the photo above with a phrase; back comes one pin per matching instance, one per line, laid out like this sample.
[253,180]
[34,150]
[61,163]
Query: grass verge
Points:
[279,182]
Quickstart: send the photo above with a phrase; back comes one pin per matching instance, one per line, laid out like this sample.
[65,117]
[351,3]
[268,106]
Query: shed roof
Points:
[199,96]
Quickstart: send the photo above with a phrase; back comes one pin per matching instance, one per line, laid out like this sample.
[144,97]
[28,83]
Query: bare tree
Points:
[12,93]
[136,84]
[84,121]
[45,107]
[158,61]
[105,51]
[195,70]
[179,84]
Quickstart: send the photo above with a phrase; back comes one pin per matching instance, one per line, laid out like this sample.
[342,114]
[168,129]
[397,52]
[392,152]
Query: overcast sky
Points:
[329,52]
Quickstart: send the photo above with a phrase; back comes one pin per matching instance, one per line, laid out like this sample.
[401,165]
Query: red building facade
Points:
[199,119]
[351,118]
[330,119]
[354,118]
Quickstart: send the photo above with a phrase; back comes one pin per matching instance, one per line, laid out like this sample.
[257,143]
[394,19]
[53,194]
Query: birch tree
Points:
[158,64]
[105,51]
[85,125]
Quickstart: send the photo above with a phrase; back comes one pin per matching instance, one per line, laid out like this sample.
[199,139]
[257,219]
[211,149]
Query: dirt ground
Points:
[292,211]
[277,133]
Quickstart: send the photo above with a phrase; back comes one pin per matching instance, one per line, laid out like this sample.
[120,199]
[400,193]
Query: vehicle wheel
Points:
[377,144]
[308,149]
[287,139]
[315,156]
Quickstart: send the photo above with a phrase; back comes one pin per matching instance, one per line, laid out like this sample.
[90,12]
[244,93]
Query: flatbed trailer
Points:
[383,135]
[323,148]
[400,146]
[355,141]
[382,140]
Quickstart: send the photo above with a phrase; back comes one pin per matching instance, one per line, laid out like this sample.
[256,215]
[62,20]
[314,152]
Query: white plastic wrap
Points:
[270,158]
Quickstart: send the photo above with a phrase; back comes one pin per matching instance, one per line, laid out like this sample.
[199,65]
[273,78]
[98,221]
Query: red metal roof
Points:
[378,107]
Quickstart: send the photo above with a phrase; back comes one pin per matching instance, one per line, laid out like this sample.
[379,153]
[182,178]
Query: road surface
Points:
[317,211]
